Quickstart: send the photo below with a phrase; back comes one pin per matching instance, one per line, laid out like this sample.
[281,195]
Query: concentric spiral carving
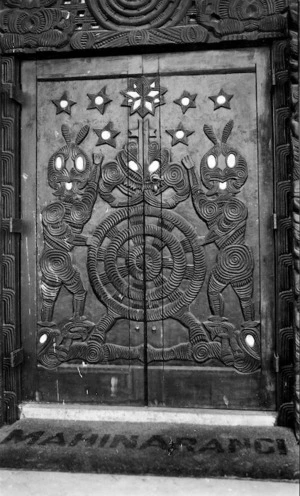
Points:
[235,263]
[137,14]
[124,271]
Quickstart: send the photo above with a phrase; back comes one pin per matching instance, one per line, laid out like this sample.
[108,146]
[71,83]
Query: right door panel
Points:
[216,123]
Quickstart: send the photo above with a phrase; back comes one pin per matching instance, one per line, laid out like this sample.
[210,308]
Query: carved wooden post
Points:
[10,346]
[1,249]
[294,80]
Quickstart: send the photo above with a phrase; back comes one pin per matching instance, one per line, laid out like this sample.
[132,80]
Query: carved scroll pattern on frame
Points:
[11,338]
[294,81]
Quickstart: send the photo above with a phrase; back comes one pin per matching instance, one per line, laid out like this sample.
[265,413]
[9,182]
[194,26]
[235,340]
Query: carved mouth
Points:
[68,186]
[223,185]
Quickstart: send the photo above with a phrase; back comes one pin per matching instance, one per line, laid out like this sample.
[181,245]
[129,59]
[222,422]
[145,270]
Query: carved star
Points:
[107,135]
[186,101]
[99,100]
[221,100]
[63,104]
[179,135]
[143,95]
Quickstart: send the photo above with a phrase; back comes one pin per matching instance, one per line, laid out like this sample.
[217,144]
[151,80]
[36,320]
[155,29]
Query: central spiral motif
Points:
[137,14]
[136,264]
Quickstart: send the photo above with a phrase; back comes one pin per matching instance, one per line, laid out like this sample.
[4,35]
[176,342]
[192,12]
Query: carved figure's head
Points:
[223,169]
[69,168]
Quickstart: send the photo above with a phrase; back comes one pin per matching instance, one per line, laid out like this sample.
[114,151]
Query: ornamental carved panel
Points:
[43,25]
[149,222]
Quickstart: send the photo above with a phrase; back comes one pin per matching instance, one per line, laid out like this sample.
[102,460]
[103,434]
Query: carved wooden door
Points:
[147,186]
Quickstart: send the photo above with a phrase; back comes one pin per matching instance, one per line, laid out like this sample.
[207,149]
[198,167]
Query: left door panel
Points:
[67,121]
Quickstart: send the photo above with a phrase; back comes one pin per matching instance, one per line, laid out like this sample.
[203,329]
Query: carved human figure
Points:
[223,172]
[74,180]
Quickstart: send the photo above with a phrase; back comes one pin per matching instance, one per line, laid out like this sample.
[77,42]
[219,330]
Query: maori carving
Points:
[40,26]
[119,15]
[170,35]
[180,134]
[10,340]
[112,268]
[186,101]
[99,100]
[117,276]
[152,178]
[226,218]
[75,188]
[107,135]
[143,95]
[230,18]
[63,104]
[43,24]
[294,127]
[222,99]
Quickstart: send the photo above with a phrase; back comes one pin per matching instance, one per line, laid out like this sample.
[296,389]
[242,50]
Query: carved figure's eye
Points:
[59,162]
[231,160]
[211,161]
[133,166]
[154,166]
[80,163]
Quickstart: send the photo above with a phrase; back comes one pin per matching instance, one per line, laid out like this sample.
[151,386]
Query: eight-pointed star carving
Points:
[143,95]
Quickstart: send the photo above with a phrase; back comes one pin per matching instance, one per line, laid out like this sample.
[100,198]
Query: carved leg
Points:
[49,295]
[75,286]
[78,306]
[215,288]
[244,292]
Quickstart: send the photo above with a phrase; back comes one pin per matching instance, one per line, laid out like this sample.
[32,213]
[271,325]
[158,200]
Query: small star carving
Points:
[179,135]
[186,101]
[221,100]
[107,135]
[63,104]
[99,100]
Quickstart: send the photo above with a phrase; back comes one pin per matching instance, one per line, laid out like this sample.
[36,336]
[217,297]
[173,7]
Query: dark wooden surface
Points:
[246,75]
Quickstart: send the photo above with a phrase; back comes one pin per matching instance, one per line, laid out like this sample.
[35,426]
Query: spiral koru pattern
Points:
[53,213]
[56,265]
[135,262]
[235,264]
[137,14]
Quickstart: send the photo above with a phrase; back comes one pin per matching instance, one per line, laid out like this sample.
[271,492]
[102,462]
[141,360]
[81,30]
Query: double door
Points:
[147,266]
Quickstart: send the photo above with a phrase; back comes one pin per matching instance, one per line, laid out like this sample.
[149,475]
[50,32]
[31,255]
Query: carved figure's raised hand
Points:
[188,162]
[97,161]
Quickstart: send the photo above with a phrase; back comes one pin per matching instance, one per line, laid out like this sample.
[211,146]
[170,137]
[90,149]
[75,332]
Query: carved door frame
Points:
[196,25]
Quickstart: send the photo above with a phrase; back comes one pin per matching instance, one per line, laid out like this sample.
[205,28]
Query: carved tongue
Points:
[222,185]
[69,186]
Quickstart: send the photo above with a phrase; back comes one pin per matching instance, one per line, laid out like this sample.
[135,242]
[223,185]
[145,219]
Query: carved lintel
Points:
[47,25]
[231,19]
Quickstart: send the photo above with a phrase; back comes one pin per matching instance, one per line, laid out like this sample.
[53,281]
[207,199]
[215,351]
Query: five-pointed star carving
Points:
[221,100]
[143,95]
[179,135]
[99,100]
[186,101]
[107,135]
[63,104]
